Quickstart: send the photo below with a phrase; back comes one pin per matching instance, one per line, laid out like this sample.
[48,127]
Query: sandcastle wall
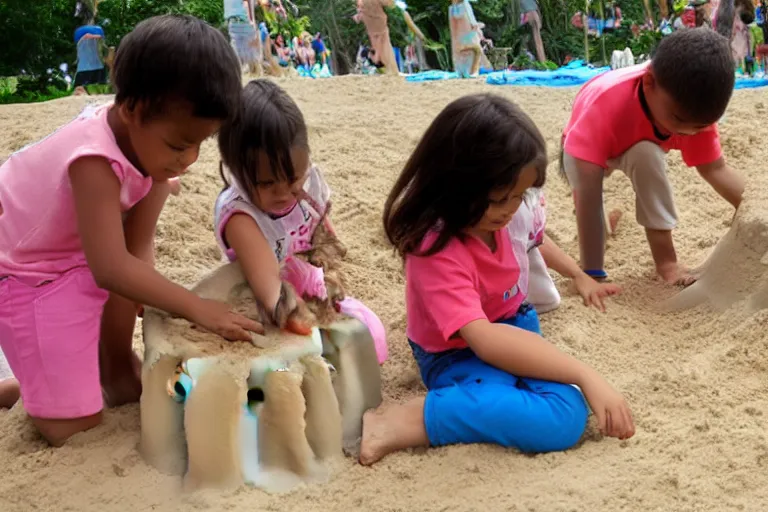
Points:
[272,413]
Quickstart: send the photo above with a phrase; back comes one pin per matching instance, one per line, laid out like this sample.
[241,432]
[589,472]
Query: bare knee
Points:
[58,431]
[647,153]
[9,393]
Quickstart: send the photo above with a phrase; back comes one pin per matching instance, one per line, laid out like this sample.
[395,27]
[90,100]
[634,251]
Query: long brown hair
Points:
[477,144]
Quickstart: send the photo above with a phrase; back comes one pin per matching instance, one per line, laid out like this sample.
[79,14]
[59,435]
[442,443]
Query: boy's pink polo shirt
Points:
[608,119]
[462,283]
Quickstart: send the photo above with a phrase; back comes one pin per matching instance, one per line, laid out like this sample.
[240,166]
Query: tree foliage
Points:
[37,35]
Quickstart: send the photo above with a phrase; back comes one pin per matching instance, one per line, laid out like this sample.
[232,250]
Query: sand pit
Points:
[696,379]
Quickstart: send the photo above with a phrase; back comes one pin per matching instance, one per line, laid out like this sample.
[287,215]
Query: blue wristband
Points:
[597,274]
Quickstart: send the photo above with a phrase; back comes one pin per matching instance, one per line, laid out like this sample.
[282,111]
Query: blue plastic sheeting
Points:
[436,74]
[433,74]
[750,83]
[316,72]
[574,73]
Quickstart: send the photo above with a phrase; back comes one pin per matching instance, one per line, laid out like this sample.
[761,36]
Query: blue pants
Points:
[470,401]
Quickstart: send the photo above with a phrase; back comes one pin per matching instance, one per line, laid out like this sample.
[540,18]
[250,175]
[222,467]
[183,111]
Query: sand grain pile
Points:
[696,379]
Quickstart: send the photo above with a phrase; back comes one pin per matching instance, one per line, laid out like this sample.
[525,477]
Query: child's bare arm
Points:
[526,354]
[256,257]
[141,222]
[588,198]
[558,260]
[726,182]
[96,192]
[591,291]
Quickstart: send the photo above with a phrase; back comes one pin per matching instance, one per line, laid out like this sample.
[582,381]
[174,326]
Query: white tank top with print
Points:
[287,235]
[526,230]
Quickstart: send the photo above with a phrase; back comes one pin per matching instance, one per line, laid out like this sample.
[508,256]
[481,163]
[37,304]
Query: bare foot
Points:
[9,393]
[390,428]
[374,445]
[676,274]
[123,386]
[612,220]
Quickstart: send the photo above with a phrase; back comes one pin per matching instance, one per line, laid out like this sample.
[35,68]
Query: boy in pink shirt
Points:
[78,212]
[629,119]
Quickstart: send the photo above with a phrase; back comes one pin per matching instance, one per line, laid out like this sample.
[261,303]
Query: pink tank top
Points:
[39,240]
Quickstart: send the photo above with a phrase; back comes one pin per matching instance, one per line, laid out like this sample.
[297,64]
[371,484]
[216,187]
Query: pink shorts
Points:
[50,337]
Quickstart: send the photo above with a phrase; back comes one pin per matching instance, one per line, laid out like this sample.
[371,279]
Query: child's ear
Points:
[132,114]
[129,114]
[649,81]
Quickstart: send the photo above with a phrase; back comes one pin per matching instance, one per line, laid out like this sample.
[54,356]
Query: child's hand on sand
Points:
[291,313]
[219,318]
[594,292]
[614,419]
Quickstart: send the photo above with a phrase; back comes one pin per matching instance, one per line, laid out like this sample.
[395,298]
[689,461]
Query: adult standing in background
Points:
[371,13]
[90,63]
[529,10]
[243,33]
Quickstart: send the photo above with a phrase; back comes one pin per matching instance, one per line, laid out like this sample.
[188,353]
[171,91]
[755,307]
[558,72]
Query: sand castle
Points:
[737,269]
[271,414]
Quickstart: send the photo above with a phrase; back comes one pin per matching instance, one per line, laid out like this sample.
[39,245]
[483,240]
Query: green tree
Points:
[35,36]
[118,17]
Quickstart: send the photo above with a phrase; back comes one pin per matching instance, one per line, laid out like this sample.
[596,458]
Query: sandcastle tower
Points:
[737,269]
[270,414]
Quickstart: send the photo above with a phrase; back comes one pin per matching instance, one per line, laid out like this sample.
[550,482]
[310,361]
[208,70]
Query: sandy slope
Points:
[696,379]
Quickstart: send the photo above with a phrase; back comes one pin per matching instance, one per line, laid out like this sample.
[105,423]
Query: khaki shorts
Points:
[646,167]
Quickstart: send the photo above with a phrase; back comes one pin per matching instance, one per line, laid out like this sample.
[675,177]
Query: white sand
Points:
[696,380]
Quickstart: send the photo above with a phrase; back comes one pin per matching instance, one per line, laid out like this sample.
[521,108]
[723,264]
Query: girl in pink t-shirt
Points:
[78,211]
[491,377]
[274,201]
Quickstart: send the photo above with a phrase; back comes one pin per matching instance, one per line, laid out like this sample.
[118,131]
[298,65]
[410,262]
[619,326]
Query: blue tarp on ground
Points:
[576,73]
[437,74]
[573,74]
[750,83]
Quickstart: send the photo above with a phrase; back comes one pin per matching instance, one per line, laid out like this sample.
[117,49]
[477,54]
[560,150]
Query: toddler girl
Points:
[274,200]
[536,252]
[491,377]
[78,211]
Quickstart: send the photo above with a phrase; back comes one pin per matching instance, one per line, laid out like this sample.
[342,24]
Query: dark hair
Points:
[267,120]
[695,67]
[177,58]
[477,144]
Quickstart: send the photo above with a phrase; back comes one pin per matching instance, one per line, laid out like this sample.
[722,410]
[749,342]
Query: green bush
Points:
[34,88]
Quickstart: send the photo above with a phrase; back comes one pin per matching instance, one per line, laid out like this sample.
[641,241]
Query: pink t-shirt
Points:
[39,240]
[462,283]
[608,119]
